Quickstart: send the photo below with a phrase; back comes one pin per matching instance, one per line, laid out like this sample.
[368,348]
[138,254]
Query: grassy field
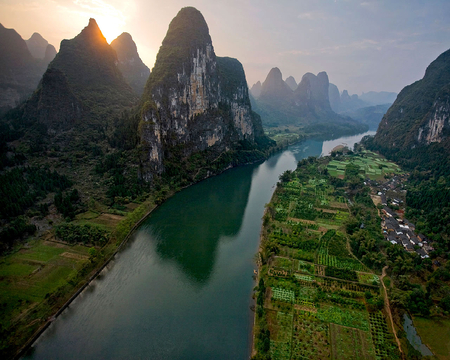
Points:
[435,334]
[351,344]
[33,276]
[371,165]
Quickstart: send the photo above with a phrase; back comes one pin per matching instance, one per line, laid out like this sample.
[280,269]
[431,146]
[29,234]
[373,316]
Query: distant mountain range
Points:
[305,105]
[345,103]
[22,64]
[286,103]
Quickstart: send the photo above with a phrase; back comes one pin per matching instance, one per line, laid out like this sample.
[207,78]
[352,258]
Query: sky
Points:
[363,45]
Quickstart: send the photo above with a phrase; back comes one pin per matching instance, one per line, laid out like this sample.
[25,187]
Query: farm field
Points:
[316,299]
[30,276]
[371,165]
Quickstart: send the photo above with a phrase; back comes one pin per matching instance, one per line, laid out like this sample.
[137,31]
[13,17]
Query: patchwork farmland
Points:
[371,165]
[315,299]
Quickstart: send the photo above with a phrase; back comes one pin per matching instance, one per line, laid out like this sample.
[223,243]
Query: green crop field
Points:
[371,165]
[30,276]
[318,307]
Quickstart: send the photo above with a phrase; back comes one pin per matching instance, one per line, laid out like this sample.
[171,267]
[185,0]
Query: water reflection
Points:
[205,214]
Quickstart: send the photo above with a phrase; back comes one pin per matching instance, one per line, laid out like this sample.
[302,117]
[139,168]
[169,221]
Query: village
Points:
[396,228]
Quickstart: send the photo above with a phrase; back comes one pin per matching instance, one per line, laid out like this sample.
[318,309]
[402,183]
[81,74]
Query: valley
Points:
[136,204]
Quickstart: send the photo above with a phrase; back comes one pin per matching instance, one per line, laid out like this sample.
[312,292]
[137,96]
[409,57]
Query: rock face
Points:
[335,98]
[133,69]
[82,85]
[290,81]
[19,71]
[256,89]
[193,100]
[420,114]
[312,92]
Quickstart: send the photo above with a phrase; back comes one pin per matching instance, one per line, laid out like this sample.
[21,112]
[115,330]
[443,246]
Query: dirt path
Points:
[388,310]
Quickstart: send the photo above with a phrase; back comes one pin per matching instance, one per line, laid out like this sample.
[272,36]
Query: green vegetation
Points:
[34,283]
[318,297]
[428,196]
[435,334]
[370,165]
[86,234]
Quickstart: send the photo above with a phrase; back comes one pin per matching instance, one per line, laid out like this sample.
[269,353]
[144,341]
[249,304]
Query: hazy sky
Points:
[363,45]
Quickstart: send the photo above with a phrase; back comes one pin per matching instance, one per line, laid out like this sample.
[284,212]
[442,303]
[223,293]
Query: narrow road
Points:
[388,310]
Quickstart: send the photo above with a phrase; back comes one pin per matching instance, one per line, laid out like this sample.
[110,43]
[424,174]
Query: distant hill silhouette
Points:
[133,69]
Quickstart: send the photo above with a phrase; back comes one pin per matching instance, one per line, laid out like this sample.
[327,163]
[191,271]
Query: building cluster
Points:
[396,228]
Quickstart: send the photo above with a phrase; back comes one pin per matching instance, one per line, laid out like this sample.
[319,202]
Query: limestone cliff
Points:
[193,99]
[420,114]
[312,92]
[130,64]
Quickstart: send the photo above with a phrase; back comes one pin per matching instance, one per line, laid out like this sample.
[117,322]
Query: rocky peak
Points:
[37,45]
[193,98]
[15,52]
[345,96]
[125,47]
[314,90]
[256,89]
[89,62]
[290,81]
[274,87]
[133,69]
[78,76]
[91,34]
[19,71]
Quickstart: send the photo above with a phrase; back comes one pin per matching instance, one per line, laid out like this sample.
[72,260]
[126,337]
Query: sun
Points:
[110,27]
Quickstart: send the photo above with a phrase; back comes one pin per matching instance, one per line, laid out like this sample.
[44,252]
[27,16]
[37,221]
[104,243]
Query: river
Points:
[181,288]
